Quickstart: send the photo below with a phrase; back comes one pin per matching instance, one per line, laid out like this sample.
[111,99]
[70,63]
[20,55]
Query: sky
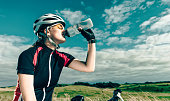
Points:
[133,38]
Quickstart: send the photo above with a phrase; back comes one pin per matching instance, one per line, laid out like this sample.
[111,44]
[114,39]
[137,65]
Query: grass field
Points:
[130,93]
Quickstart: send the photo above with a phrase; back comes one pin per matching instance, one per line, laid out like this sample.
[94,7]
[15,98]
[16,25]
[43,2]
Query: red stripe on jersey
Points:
[36,56]
[64,57]
[17,92]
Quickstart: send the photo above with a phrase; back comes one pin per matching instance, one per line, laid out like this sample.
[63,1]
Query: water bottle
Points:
[73,30]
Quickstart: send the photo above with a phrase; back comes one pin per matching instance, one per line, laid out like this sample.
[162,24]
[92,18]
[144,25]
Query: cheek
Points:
[54,32]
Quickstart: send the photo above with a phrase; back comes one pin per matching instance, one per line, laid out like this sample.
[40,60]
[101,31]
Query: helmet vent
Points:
[49,19]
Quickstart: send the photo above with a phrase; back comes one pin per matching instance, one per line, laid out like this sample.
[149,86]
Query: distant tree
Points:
[61,85]
[82,83]
[148,82]
[99,84]
[106,85]
[126,83]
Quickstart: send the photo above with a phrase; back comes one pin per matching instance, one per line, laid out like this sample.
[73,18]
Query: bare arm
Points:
[89,65]
[26,86]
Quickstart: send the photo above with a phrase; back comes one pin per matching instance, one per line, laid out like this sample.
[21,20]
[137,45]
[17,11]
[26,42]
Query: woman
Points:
[39,67]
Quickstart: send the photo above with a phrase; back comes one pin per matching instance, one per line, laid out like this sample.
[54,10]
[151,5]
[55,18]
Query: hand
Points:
[88,34]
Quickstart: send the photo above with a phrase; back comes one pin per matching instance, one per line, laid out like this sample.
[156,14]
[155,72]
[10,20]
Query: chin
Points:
[62,41]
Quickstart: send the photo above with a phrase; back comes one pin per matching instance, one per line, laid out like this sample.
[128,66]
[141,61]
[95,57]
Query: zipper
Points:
[49,80]
[44,94]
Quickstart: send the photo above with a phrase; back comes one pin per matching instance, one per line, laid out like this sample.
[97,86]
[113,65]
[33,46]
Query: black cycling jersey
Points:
[46,66]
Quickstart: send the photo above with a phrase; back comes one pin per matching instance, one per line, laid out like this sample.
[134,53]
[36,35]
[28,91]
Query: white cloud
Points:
[165,1]
[73,17]
[100,43]
[100,34]
[156,51]
[146,62]
[158,39]
[115,14]
[121,12]
[112,40]
[142,7]
[125,40]
[121,40]
[10,48]
[162,25]
[149,3]
[140,39]
[166,12]
[78,52]
[122,29]
[157,24]
[149,40]
[148,22]
[115,1]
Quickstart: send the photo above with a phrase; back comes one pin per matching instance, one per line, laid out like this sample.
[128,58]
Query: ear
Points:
[48,32]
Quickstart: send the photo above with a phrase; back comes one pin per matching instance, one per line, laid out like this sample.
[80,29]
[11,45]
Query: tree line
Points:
[98,85]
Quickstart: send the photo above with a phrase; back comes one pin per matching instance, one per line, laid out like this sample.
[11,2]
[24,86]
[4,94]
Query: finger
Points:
[89,30]
[80,29]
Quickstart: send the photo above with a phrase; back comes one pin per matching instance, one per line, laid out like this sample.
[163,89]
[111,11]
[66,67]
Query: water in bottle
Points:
[73,30]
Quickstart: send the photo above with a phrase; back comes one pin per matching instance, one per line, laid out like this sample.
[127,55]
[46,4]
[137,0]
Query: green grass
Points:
[6,95]
[157,87]
[98,94]
[103,94]
[167,97]
[89,92]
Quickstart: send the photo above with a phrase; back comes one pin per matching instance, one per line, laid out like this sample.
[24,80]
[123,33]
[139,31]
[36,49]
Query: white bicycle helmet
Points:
[44,21]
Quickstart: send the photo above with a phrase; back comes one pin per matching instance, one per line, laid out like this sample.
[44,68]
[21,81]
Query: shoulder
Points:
[28,52]
[64,54]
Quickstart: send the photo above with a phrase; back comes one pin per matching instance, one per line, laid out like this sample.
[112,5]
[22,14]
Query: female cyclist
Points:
[39,67]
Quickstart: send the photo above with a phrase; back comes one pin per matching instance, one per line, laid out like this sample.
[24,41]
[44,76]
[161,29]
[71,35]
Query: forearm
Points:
[91,57]
[28,95]
[89,64]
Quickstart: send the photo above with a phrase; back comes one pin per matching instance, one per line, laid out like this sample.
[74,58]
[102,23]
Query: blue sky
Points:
[133,37]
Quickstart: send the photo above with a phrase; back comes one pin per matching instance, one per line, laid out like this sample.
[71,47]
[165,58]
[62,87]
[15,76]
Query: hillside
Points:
[101,94]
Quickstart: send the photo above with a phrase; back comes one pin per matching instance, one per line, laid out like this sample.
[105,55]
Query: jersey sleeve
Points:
[69,58]
[25,63]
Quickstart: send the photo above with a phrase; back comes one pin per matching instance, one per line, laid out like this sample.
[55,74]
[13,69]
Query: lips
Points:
[65,33]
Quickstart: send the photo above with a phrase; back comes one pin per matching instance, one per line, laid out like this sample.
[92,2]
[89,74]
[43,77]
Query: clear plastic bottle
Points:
[73,30]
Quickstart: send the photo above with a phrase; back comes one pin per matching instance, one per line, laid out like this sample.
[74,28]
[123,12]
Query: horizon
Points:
[147,82]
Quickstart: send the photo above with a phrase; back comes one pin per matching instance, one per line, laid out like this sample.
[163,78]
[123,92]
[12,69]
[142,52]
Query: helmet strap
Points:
[52,41]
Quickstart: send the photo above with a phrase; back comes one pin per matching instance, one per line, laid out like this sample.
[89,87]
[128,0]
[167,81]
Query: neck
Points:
[49,45]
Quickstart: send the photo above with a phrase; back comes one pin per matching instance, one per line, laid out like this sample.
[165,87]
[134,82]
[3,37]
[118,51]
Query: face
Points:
[55,32]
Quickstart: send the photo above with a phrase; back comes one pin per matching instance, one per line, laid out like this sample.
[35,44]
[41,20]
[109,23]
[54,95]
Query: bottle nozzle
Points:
[65,33]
